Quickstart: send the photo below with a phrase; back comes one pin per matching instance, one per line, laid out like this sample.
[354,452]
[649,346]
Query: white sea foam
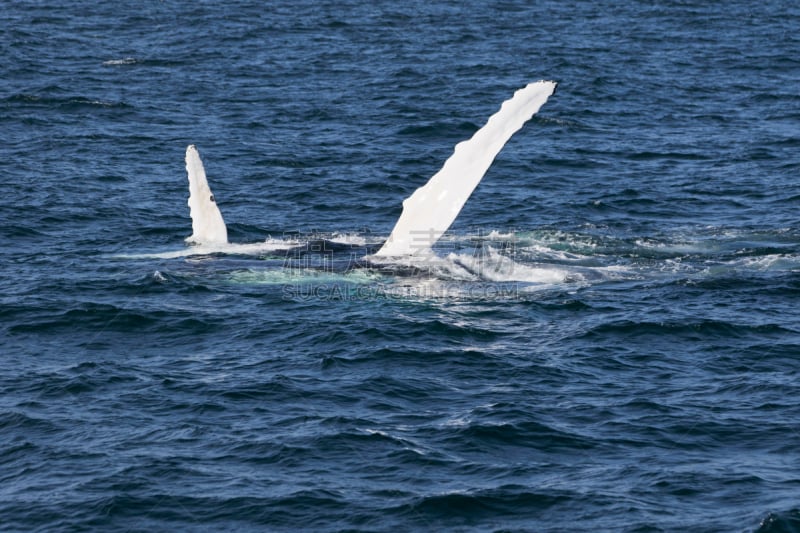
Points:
[349,238]
[496,235]
[287,276]
[123,61]
[679,248]
[771,262]
[256,248]
[547,252]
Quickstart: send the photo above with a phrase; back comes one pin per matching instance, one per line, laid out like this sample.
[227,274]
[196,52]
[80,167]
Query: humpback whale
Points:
[429,211]
[208,226]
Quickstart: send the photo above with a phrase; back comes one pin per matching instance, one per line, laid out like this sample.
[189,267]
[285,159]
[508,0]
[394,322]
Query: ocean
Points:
[607,338]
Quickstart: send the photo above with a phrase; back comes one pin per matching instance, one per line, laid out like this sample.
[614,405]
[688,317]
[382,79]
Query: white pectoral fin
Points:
[432,208]
[208,227]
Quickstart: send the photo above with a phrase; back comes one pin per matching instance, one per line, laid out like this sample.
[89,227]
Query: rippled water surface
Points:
[608,338]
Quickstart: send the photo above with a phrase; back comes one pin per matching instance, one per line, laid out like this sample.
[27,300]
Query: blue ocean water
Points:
[653,388]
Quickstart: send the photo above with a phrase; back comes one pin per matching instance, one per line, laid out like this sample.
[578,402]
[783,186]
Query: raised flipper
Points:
[430,211]
[207,224]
